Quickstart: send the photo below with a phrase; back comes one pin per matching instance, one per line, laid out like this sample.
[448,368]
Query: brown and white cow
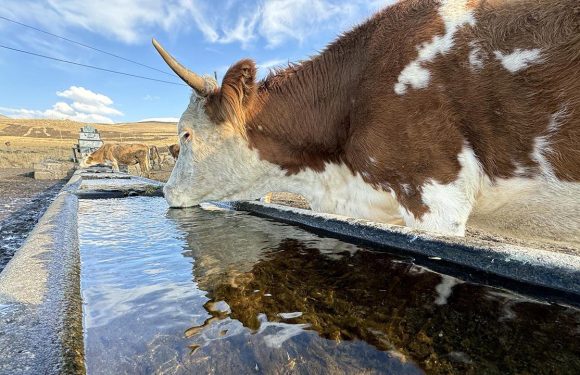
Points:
[117,153]
[431,111]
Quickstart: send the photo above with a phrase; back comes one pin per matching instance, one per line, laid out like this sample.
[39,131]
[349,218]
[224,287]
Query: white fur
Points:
[450,204]
[337,190]
[455,14]
[476,57]
[520,59]
[542,145]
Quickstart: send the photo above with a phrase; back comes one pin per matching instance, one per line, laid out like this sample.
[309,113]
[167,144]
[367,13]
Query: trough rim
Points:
[557,274]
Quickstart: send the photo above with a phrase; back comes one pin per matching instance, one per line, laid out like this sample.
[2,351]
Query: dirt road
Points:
[23,200]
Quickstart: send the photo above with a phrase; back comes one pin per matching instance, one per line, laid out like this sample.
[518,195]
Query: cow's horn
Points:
[196,82]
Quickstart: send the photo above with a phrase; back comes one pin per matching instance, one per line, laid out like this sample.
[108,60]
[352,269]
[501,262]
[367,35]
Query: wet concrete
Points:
[40,306]
[23,200]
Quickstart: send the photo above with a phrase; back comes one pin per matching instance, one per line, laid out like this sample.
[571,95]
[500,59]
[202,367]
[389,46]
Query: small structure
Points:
[89,141]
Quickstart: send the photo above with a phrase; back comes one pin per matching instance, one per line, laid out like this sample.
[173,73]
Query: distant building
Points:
[89,141]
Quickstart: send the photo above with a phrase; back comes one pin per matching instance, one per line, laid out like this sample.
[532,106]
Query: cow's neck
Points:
[301,119]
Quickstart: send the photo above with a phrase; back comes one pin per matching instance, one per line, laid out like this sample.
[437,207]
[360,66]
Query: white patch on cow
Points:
[520,59]
[542,145]
[455,14]
[445,288]
[476,57]
[337,190]
[449,204]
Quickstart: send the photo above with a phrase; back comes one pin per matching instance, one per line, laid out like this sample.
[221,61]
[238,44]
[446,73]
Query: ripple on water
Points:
[194,291]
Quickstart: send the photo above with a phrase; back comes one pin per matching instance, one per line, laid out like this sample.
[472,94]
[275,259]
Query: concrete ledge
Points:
[545,269]
[40,302]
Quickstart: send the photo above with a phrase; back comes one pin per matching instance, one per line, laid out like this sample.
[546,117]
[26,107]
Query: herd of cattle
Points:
[142,155]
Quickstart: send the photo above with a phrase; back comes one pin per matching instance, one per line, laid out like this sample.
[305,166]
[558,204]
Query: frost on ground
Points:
[23,200]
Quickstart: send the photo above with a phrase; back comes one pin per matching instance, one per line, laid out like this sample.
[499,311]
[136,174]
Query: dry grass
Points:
[24,142]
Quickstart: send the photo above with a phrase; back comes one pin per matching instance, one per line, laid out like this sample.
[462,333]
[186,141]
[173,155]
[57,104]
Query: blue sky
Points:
[205,36]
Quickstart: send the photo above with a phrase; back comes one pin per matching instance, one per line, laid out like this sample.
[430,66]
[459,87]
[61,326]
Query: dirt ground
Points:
[23,200]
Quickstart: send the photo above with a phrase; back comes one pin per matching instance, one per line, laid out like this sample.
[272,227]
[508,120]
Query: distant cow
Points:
[7,143]
[433,111]
[174,150]
[116,153]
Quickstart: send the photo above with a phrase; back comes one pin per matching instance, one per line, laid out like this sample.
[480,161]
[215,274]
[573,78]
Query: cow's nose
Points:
[169,194]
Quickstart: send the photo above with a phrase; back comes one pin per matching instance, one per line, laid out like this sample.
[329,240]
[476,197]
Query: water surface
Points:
[194,291]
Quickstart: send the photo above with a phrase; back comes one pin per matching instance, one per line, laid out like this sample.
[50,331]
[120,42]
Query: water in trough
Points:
[196,291]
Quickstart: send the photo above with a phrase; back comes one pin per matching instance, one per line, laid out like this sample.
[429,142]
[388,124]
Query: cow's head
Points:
[215,162]
[87,161]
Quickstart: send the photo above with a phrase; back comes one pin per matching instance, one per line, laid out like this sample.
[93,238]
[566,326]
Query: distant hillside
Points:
[2,116]
[23,142]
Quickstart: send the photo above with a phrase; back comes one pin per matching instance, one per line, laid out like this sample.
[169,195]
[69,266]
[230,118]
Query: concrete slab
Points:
[40,302]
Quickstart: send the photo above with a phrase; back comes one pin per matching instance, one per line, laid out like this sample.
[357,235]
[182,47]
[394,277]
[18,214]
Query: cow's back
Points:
[130,154]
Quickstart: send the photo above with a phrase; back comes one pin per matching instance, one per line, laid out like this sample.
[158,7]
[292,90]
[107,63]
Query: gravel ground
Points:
[23,200]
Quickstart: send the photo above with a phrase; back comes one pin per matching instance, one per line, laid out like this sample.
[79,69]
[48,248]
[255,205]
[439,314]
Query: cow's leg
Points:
[144,166]
[115,165]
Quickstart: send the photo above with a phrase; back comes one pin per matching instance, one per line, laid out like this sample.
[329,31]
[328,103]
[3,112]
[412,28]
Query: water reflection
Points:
[192,291]
[343,293]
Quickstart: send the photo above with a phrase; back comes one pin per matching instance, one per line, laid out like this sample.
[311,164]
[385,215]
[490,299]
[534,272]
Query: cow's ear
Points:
[233,100]
[240,81]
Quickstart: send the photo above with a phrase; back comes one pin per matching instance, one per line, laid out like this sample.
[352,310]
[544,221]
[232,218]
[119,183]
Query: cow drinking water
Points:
[126,154]
[434,112]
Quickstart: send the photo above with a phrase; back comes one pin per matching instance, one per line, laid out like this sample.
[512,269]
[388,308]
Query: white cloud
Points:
[134,21]
[124,20]
[85,106]
[297,19]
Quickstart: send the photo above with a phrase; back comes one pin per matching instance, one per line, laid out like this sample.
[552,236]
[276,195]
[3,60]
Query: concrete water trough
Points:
[41,289]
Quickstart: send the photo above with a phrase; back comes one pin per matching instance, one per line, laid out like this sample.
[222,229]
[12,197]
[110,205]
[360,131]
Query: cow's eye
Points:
[186,135]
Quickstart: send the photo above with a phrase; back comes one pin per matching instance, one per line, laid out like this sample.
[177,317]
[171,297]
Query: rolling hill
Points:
[24,142]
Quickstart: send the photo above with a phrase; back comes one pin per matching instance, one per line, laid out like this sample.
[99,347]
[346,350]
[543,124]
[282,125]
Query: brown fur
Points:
[126,154]
[174,150]
[340,106]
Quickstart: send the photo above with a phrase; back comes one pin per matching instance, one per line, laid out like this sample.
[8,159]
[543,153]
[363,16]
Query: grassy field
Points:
[25,142]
